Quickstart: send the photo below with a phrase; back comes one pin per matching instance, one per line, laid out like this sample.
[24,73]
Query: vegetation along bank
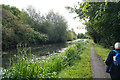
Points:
[31,27]
[75,59]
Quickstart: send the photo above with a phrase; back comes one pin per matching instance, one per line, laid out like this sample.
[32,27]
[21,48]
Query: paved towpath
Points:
[97,66]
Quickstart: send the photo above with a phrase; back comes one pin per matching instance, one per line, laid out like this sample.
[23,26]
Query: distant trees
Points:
[58,27]
[15,11]
[53,24]
[82,36]
[29,26]
[14,32]
[102,20]
[71,35]
[31,17]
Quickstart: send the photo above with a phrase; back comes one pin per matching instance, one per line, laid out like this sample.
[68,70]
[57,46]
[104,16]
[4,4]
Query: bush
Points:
[36,37]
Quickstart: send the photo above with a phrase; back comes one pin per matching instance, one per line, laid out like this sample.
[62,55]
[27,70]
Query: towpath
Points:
[97,66]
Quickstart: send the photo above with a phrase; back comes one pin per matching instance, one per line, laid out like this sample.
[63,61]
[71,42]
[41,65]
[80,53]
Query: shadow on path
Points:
[97,65]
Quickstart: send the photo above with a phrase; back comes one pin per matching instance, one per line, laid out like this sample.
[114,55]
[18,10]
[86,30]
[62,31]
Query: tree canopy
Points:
[102,20]
[29,26]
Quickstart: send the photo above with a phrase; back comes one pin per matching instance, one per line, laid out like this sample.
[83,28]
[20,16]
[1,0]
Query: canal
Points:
[41,52]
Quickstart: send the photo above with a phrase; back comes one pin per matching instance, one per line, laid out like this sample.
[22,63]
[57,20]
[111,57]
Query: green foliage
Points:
[102,52]
[14,32]
[71,35]
[26,65]
[29,26]
[57,27]
[53,24]
[15,11]
[81,67]
[81,36]
[36,37]
[31,17]
[102,20]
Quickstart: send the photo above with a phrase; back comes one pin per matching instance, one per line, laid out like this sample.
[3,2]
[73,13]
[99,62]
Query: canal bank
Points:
[40,51]
[50,67]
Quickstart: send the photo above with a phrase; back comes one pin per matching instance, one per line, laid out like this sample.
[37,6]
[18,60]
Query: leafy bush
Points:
[28,26]
[15,32]
[71,35]
[36,37]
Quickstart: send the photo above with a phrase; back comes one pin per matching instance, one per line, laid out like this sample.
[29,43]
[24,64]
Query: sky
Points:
[44,6]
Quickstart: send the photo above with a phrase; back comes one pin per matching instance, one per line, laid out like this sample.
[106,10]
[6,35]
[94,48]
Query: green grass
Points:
[76,59]
[102,52]
[81,67]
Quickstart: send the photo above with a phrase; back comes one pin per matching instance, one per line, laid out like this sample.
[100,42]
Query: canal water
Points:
[39,51]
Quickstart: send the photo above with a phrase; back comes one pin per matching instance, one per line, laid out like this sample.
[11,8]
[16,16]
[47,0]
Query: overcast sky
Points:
[44,6]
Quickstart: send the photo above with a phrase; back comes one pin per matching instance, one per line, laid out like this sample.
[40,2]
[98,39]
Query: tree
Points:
[31,17]
[71,35]
[14,31]
[81,36]
[53,24]
[57,27]
[30,27]
[15,11]
[102,20]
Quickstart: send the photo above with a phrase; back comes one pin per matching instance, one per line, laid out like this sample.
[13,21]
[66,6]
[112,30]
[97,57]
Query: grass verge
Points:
[102,52]
[81,67]
[76,58]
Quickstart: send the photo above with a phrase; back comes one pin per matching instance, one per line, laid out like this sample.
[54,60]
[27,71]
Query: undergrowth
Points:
[102,52]
[81,68]
[26,65]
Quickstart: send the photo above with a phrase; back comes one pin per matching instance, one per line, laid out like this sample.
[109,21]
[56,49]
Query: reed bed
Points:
[26,65]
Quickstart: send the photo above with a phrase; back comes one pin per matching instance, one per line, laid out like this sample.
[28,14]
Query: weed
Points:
[26,65]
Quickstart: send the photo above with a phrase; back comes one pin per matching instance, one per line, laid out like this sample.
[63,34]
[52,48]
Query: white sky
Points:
[44,6]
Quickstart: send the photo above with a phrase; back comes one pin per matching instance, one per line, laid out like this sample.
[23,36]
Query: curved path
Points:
[97,66]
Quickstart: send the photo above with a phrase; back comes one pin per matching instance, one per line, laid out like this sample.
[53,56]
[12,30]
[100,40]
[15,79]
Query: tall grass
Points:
[81,67]
[27,66]
[102,52]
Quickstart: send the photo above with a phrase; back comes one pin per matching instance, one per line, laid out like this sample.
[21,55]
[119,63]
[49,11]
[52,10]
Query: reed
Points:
[27,66]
